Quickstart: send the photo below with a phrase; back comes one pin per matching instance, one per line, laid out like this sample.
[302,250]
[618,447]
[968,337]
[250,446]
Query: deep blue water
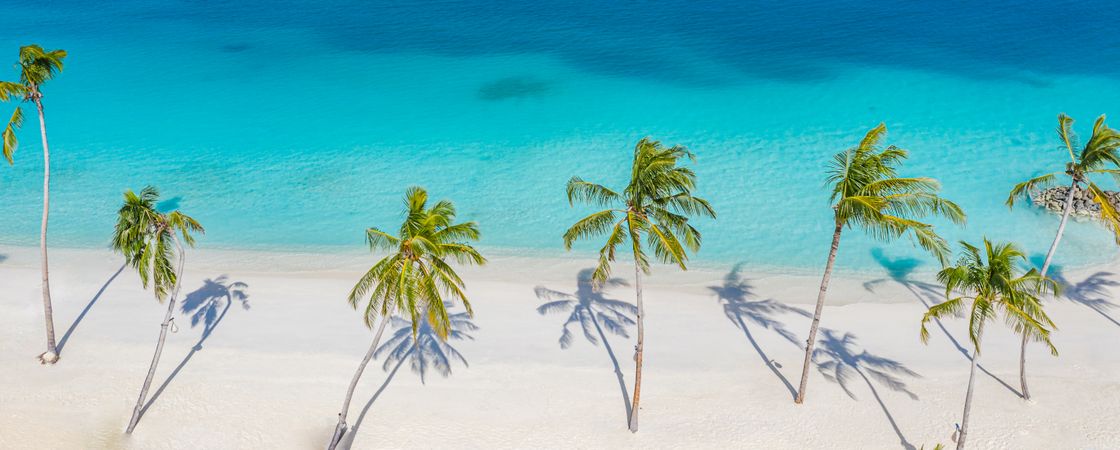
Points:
[294,126]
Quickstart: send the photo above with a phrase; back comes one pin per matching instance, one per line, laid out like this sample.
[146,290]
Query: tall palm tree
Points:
[36,66]
[1101,155]
[414,277]
[145,237]
[992,286]
[867,193]
[656,204]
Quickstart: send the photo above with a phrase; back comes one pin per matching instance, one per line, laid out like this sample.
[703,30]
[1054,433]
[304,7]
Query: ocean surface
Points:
[294,126]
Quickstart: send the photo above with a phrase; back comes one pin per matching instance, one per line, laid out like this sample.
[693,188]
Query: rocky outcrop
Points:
[1054,199]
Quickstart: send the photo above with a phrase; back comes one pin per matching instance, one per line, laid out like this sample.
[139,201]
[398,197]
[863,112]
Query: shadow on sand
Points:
[839,360]
[591,311]
[82,315]
[901,271]
[424,352]
[1091,292]
[206,306]
[736,295]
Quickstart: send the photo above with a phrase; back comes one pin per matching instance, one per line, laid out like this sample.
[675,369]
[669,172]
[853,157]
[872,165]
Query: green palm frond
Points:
[1099,156]
[593,225]
[948,308]
[37,65]
[10,142]
[655,207]
[144,236]
[415,278]
[586,192]
[994,285]
[1065,133]
[1109,214]
[1023,190]
[867,193]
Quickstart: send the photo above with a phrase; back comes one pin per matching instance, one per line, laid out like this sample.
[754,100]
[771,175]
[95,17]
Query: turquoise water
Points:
[286,126]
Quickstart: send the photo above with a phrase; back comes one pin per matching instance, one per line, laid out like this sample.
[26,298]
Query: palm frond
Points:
[1025,189]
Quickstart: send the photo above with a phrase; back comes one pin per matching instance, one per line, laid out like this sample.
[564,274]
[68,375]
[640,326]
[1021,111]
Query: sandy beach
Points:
[271,370]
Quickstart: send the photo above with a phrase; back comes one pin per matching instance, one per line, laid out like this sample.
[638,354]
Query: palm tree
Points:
[991,285]
[867,193]
[145,237]
[414,277]
[37,66]
[656,204]
[1100,152]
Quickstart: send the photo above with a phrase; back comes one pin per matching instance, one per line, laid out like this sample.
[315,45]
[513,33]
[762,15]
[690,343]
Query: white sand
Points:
[273,376]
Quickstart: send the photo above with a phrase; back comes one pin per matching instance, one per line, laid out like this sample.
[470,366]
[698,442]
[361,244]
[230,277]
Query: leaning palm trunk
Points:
[51,355]
[817,313]
[638,348]
[340,429]
[968,394]
[139,409]
[1045,268]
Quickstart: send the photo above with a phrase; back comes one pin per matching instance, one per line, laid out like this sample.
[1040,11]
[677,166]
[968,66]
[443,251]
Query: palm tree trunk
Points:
[340,429]
[51,355]
[1045,268]
[817,313]
[139,409]
[638,348]
[968,394]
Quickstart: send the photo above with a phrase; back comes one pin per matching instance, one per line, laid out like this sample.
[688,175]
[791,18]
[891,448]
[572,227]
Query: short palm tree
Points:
[867,193]
[991,286]
[415,277]
[1101,155]
[147,238]
[36,66]
[654,206]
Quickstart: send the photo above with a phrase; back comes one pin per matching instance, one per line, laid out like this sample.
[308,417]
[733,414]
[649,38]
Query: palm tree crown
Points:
[144,236]
[1101,151]
[656,202]
[415,276]
[36,66]
[991,284]
[867,192]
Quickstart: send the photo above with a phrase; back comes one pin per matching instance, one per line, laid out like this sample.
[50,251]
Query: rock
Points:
[1084,202]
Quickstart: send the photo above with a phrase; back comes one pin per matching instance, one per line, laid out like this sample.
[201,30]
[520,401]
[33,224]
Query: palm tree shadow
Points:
[1091,292]
[592,312]
[838,360]
[424,352]
[82,315]
[735,294]
[901,270]
[207,306]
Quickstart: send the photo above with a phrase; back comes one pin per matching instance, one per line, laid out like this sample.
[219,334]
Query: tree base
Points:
[48,358]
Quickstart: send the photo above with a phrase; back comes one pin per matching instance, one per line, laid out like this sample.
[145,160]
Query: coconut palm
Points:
[36,66]
[990,286]
[867,193]
[655,205]
[1101,155]
[147,239]
[415,276]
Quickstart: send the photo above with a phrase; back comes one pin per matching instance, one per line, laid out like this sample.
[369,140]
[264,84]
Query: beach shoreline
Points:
[272,375]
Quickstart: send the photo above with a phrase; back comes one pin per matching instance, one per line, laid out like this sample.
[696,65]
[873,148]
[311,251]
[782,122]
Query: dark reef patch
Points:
[513,87]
